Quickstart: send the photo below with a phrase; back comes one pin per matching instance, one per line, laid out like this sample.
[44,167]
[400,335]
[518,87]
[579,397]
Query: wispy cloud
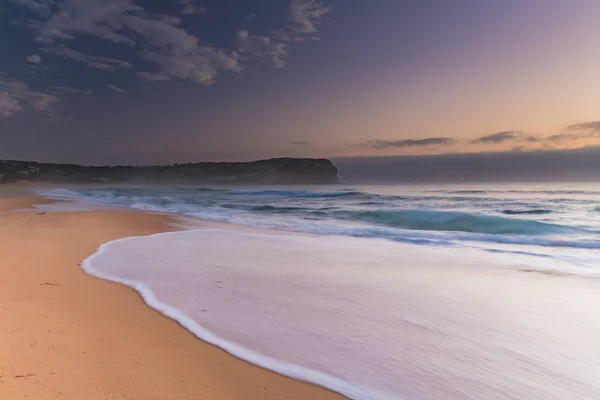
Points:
[306,14]
[51,47]
[505,136]
[169,46]
[111,61]
[262,47]
[67,89]
[564,136]
[577,131]
[386,144]
[162,39]
[153,77]
[15,92]
[117,89]
[9,106]
[34,58]
[103,63]
[39,6]
[108,65]
[101,66]
[518,140]
[300,143]
[498,137]
[585,126]
[570,133]
[190,7]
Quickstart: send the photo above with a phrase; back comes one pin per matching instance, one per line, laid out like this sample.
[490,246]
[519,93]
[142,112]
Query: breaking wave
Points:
[429,220]
[417,218]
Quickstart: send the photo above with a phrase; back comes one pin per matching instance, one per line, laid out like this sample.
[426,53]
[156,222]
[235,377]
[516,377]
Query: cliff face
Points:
[279,171]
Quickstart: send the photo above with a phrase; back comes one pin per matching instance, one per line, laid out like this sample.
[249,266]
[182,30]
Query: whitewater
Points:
[379,292]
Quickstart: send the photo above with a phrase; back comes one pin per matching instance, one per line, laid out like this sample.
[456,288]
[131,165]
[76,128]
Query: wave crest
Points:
[527,212]
[428,220]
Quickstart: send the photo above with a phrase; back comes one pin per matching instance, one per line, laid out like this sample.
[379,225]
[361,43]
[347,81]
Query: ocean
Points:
[410,292]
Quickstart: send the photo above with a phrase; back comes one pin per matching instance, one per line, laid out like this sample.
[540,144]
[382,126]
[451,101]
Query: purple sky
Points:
[125,81]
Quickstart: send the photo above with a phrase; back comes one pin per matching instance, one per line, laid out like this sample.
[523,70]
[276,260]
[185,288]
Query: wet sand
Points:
[67,335]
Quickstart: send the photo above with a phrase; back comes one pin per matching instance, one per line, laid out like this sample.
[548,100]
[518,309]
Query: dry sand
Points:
[67,335]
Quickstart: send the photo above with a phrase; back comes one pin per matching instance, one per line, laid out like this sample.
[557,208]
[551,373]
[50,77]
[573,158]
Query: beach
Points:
[67,335]
[299,200]
[375,293]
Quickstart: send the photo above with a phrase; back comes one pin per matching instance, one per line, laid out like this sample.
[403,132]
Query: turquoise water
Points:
[558,220]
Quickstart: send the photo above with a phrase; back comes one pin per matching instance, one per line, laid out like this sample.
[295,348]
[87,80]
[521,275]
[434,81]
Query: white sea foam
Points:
[394,213]
[285,368]
[373,319]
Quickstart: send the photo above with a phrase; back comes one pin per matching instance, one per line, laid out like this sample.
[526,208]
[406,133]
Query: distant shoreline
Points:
[264,172]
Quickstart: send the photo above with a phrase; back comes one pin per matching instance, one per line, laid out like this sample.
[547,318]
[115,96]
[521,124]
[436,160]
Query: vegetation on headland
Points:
[272,171]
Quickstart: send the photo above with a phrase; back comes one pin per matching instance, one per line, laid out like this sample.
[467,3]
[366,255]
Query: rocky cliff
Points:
[274,171]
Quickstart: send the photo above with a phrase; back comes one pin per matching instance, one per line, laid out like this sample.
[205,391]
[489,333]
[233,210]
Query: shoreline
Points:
[412,320]
[67,334]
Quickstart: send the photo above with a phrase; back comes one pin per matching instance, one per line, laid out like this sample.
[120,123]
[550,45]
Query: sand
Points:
[67,335]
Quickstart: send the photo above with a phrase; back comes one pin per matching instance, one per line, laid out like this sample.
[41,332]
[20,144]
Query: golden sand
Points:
[67,335]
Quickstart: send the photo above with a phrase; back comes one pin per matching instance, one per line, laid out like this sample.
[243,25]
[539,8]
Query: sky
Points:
[153,82]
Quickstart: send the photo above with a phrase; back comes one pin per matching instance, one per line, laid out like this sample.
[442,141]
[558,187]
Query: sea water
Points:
[387,292]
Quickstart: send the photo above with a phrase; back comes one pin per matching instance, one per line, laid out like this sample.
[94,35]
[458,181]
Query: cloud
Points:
[174,51]
[153,77]
[565,136]
[386,144]
[200,65]
[101,66]
[499,137]
[16,91]
[104,19]
[577,131]
[117,89]
[307,13]
[63,51]
[586,126]
[42,7]
[103,63]
[161,39]
[506,136]
[8,105]
[66,89]
[262,47]
[574,132]
[108,64]
[111,61]
[300,143]
[189,7]
[34,59]
[571,132]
